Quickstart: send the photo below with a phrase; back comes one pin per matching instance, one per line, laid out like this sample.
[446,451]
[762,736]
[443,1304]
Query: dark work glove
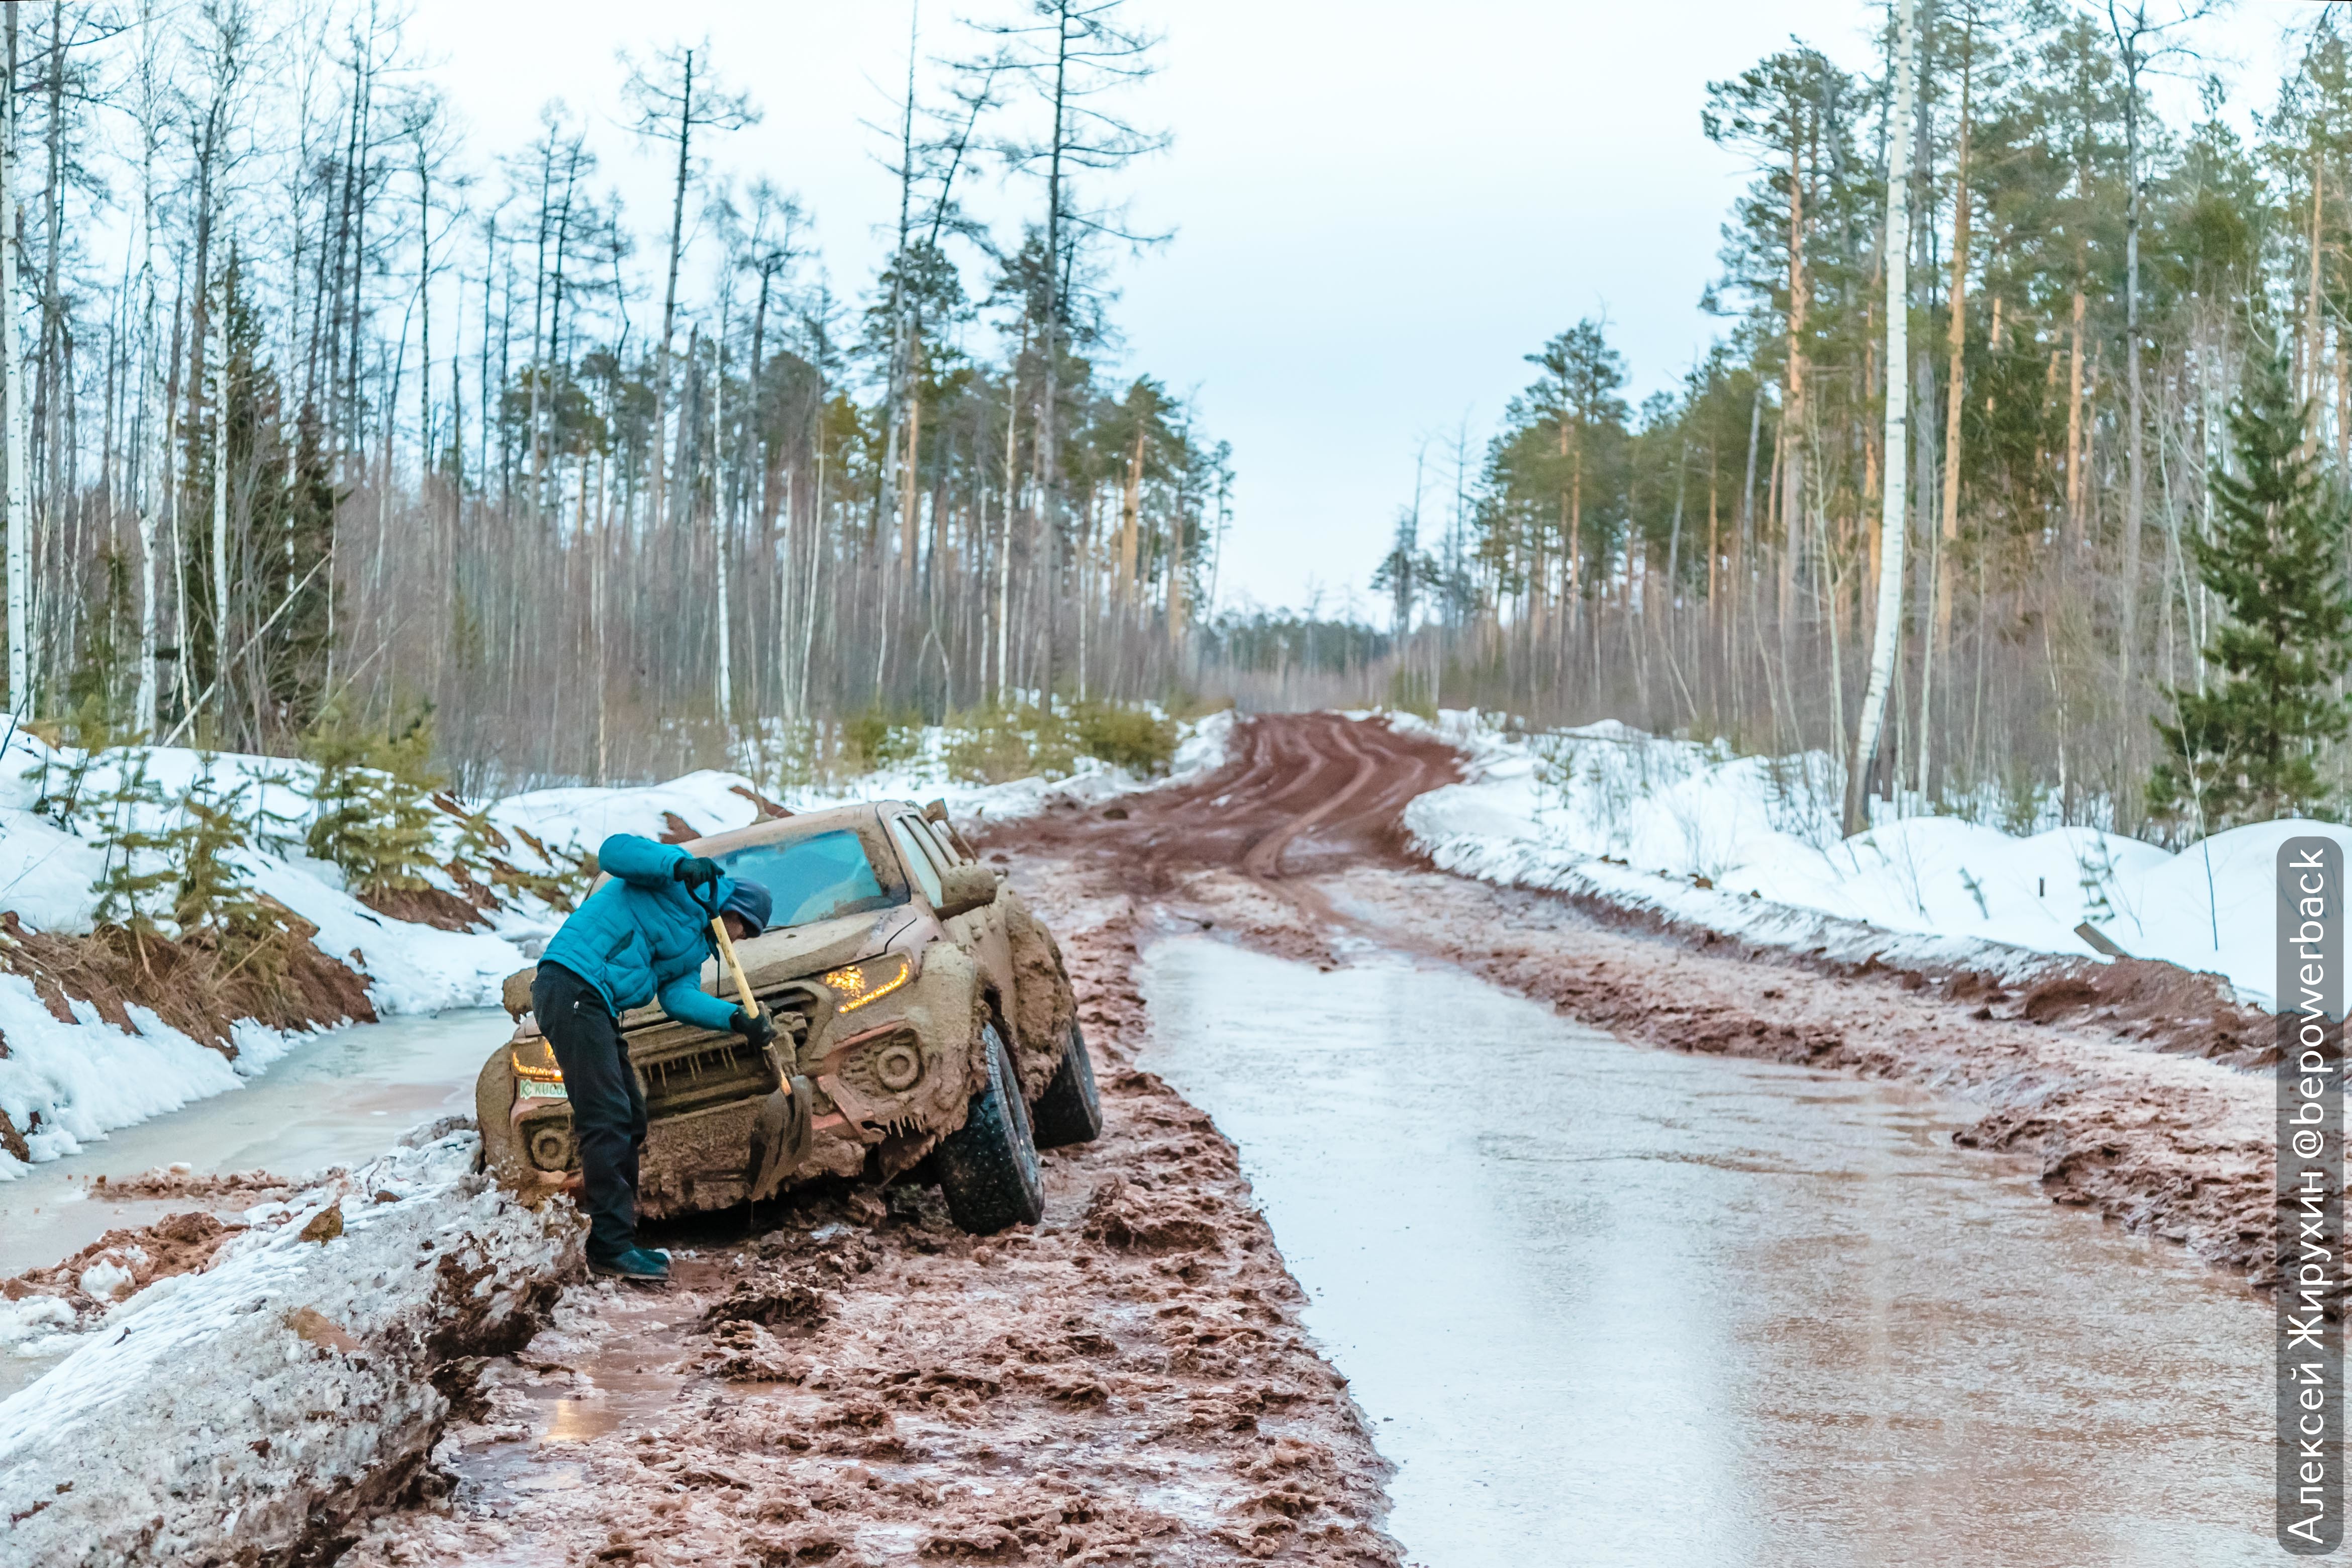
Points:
[757,1027]
[695,871]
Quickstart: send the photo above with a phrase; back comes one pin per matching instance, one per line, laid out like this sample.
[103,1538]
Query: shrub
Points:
[375,815]
[997,745]
[990,752]
[1135,739]
[211,891]
[1412,691]
[136,878]
[880,738]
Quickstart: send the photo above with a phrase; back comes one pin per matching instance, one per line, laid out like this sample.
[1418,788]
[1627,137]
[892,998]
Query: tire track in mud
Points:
[1251,815]
[2101,1078]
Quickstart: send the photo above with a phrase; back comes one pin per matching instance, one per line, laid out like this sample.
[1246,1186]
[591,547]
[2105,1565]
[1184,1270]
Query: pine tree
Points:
[64,798]
[136,879]
[375,813]
[211,892]
[2248,748]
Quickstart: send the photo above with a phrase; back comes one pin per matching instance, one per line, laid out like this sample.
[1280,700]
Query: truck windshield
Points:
[811,879]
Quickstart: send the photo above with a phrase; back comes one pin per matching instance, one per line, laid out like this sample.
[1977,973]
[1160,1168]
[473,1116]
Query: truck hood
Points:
[781,955]
[776,956]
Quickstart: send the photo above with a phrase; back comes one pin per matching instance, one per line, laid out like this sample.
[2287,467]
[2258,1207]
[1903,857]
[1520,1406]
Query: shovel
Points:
[783,1134]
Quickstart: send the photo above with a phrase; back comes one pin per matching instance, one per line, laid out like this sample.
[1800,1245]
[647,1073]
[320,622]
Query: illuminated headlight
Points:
[537,1076]
[858,983]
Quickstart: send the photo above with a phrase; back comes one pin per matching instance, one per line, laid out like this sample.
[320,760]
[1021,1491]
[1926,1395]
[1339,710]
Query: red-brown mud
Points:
[1127,1382]
[123,1262]
[129,1259]
[280,978]
[209,1185]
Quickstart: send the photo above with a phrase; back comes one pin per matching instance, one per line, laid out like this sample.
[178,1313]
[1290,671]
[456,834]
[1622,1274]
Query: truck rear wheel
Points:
[1070,1110]
[988,1167]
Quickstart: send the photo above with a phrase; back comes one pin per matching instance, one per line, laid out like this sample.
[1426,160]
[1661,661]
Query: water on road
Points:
[335,1099]
[1610,1305]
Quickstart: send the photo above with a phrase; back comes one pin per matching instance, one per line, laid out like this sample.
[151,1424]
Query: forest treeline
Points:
[322,415]
[2088,282]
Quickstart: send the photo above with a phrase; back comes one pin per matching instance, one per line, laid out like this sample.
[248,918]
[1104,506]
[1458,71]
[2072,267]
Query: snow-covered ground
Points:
[208,1416]
[1749,846]
[63,1084]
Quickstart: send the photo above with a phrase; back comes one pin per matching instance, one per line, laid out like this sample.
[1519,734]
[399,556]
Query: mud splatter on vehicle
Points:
[923,1013]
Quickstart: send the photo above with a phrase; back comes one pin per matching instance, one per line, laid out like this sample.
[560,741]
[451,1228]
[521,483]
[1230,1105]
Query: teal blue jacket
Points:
[642,935]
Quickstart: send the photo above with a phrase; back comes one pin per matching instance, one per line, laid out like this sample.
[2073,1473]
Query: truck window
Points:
[918,861]
[943,854]
[817,877]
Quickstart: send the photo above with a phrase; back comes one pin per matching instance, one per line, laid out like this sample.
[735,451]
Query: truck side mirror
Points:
[963,888]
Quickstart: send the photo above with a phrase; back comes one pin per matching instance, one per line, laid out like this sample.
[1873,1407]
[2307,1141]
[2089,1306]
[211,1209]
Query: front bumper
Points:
[869,1093]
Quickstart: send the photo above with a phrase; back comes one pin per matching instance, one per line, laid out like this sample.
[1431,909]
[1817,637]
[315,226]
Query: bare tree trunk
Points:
[220,525]
[2076,441]
[1011,490]
[151,453]
[2128,727]
[719,519]
[1955,388]
[1889,623]
[670,294]
[1049,484]
[20,541]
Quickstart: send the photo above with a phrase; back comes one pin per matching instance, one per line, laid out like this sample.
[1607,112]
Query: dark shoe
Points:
[637,1263]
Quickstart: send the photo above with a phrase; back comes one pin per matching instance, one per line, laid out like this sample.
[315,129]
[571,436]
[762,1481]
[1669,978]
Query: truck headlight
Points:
[858,983]
[537,1076]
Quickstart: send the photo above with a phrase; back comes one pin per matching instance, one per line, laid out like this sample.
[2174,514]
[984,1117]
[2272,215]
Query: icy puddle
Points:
[1604,1304]
[339,1099]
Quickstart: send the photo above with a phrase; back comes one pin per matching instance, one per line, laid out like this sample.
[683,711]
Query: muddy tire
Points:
[1070,1110]
[988,1168]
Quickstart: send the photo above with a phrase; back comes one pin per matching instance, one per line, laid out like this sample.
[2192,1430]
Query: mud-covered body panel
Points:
[1042,1006]
[891,1075]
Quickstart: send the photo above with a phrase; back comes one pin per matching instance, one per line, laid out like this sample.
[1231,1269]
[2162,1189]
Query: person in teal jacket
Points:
[643,935]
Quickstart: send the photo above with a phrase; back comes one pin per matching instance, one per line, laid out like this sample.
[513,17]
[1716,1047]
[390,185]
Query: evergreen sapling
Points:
[2249,748]
[375,815]
[135,883]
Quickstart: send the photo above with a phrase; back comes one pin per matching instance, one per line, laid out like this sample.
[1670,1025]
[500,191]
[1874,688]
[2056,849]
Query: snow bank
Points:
[45,873]
[221,1417]
[84,1079]
[63,1084]
[1750,846]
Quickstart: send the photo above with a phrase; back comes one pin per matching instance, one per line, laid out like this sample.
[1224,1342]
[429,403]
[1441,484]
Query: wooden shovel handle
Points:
[734,964]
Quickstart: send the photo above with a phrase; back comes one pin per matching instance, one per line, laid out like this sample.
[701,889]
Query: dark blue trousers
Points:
[608,1108]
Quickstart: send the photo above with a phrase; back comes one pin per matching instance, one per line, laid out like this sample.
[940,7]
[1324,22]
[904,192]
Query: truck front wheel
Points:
[988,1167]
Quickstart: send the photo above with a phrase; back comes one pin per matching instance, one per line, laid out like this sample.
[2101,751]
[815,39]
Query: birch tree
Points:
[21,667]
[1887,624]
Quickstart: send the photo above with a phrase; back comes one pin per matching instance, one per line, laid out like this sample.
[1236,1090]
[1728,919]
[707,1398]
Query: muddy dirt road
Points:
[1137,1379]
[1294,850]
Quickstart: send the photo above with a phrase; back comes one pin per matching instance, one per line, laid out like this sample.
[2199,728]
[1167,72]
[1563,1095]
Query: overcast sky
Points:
[1377,208]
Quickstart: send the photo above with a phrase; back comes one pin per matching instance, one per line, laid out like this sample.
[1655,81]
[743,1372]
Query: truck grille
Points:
[687,1069]
[715,1069]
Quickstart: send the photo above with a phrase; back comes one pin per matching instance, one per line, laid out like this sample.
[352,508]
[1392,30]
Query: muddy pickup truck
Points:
[924,1025]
